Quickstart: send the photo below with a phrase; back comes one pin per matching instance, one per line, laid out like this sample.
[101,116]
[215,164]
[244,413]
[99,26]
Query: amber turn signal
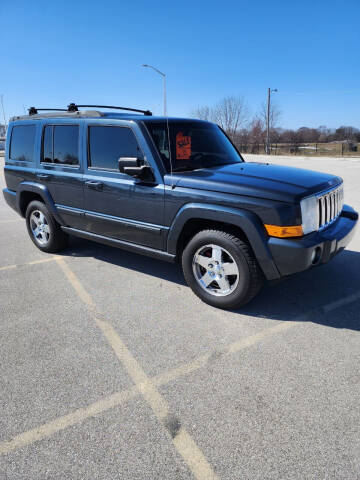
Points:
[283,232]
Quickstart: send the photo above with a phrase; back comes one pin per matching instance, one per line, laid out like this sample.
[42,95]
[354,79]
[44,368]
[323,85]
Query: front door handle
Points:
[94,185]
[43,176]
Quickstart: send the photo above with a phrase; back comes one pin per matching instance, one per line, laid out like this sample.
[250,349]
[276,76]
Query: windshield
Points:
[193,145]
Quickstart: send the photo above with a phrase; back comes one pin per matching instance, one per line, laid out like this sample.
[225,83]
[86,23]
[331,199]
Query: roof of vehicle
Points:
[100,114]
[72,111]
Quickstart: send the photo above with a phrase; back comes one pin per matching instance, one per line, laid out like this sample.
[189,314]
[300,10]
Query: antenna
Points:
[170,156]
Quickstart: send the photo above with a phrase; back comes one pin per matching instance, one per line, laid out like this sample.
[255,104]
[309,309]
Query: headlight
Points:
[309,214]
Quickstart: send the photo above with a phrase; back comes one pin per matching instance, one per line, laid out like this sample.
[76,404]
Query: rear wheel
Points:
[43,229]
[221,269]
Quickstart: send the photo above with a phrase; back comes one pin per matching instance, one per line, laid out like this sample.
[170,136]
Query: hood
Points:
[262,180]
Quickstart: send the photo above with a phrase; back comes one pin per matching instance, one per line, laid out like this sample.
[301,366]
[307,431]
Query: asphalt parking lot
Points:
[112,369]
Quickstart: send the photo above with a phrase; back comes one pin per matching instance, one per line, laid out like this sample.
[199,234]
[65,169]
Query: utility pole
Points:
[268,124]
[268,120]
[3,110]
[164,79]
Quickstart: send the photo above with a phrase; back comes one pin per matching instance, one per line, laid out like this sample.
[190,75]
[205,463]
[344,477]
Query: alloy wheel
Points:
[39,227]
[215,270]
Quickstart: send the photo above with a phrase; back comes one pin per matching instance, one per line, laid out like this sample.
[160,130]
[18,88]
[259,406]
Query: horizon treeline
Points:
[232,114]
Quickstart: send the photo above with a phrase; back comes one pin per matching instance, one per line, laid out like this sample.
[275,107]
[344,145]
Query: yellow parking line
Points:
[10,221]
[182,370]
[339,303]
[116,399]
[66,421]
[75,282]
[247,342]
[8,267]
[137,374]
[33,262]
[182,440]
[199,362]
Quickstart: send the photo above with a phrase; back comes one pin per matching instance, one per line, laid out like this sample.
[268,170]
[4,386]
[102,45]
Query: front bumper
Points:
[296,255]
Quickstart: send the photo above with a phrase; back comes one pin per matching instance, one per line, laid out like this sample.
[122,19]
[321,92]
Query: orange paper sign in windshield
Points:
[183,146]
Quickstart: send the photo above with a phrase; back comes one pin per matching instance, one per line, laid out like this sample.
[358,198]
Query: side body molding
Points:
[41,190]
[248,222]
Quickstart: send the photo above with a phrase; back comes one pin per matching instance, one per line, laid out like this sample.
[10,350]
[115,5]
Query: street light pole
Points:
[268,120]
[3,110]
[164,80]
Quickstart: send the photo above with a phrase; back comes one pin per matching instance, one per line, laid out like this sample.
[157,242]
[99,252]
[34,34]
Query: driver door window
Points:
[116,204]
[108,144]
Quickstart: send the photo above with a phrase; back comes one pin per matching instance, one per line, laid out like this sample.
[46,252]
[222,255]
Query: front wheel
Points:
[221,269]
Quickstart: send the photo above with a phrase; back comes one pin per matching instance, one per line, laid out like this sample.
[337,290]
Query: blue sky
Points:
[90,52]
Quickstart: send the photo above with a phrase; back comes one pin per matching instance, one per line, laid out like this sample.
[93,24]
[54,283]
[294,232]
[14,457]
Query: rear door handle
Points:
[43,176]
[94,185]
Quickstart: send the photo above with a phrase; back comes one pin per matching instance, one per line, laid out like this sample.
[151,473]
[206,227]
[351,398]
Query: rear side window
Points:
[22,143]
[47,145]
[108,144]
[61,144]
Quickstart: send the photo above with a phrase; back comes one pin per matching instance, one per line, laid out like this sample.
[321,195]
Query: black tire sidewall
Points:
[36,205]
[241,291]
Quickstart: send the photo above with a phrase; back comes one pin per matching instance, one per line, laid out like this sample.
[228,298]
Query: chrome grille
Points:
[330,205]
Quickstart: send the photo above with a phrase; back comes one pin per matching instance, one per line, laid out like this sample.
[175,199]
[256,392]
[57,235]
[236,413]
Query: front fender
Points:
[248,222]
[44,193]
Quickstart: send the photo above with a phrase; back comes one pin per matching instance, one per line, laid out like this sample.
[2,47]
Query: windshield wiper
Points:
[187,169]
[222,164]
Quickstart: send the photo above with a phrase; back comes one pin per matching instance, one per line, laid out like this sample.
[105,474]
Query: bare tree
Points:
[275,114]
[346,133]
[202,113]
[257,134]
[231,114]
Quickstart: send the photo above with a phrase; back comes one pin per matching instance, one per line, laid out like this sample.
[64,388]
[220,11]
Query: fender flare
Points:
[247,221]
[44,193]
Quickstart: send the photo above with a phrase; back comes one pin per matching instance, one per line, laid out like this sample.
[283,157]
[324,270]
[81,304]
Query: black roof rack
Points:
[72,107]
[34,111]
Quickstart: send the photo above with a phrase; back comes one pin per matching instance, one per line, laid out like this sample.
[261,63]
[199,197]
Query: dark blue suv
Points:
[173,189]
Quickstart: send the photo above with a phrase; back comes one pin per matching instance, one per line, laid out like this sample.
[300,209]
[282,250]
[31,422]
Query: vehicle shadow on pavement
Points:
[79,247]
[291,297]
[307,294]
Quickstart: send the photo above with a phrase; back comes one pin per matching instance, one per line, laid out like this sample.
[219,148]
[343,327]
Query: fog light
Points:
[315,256]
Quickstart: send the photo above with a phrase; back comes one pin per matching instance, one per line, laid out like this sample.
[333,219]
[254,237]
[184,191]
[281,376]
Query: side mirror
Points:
[132,167]
[128,162]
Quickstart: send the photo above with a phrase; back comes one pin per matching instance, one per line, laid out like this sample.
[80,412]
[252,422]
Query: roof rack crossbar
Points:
[72,107]
[34,110]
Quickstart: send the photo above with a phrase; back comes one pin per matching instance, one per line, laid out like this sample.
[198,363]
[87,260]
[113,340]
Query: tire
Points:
[216,256]
[50,238]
